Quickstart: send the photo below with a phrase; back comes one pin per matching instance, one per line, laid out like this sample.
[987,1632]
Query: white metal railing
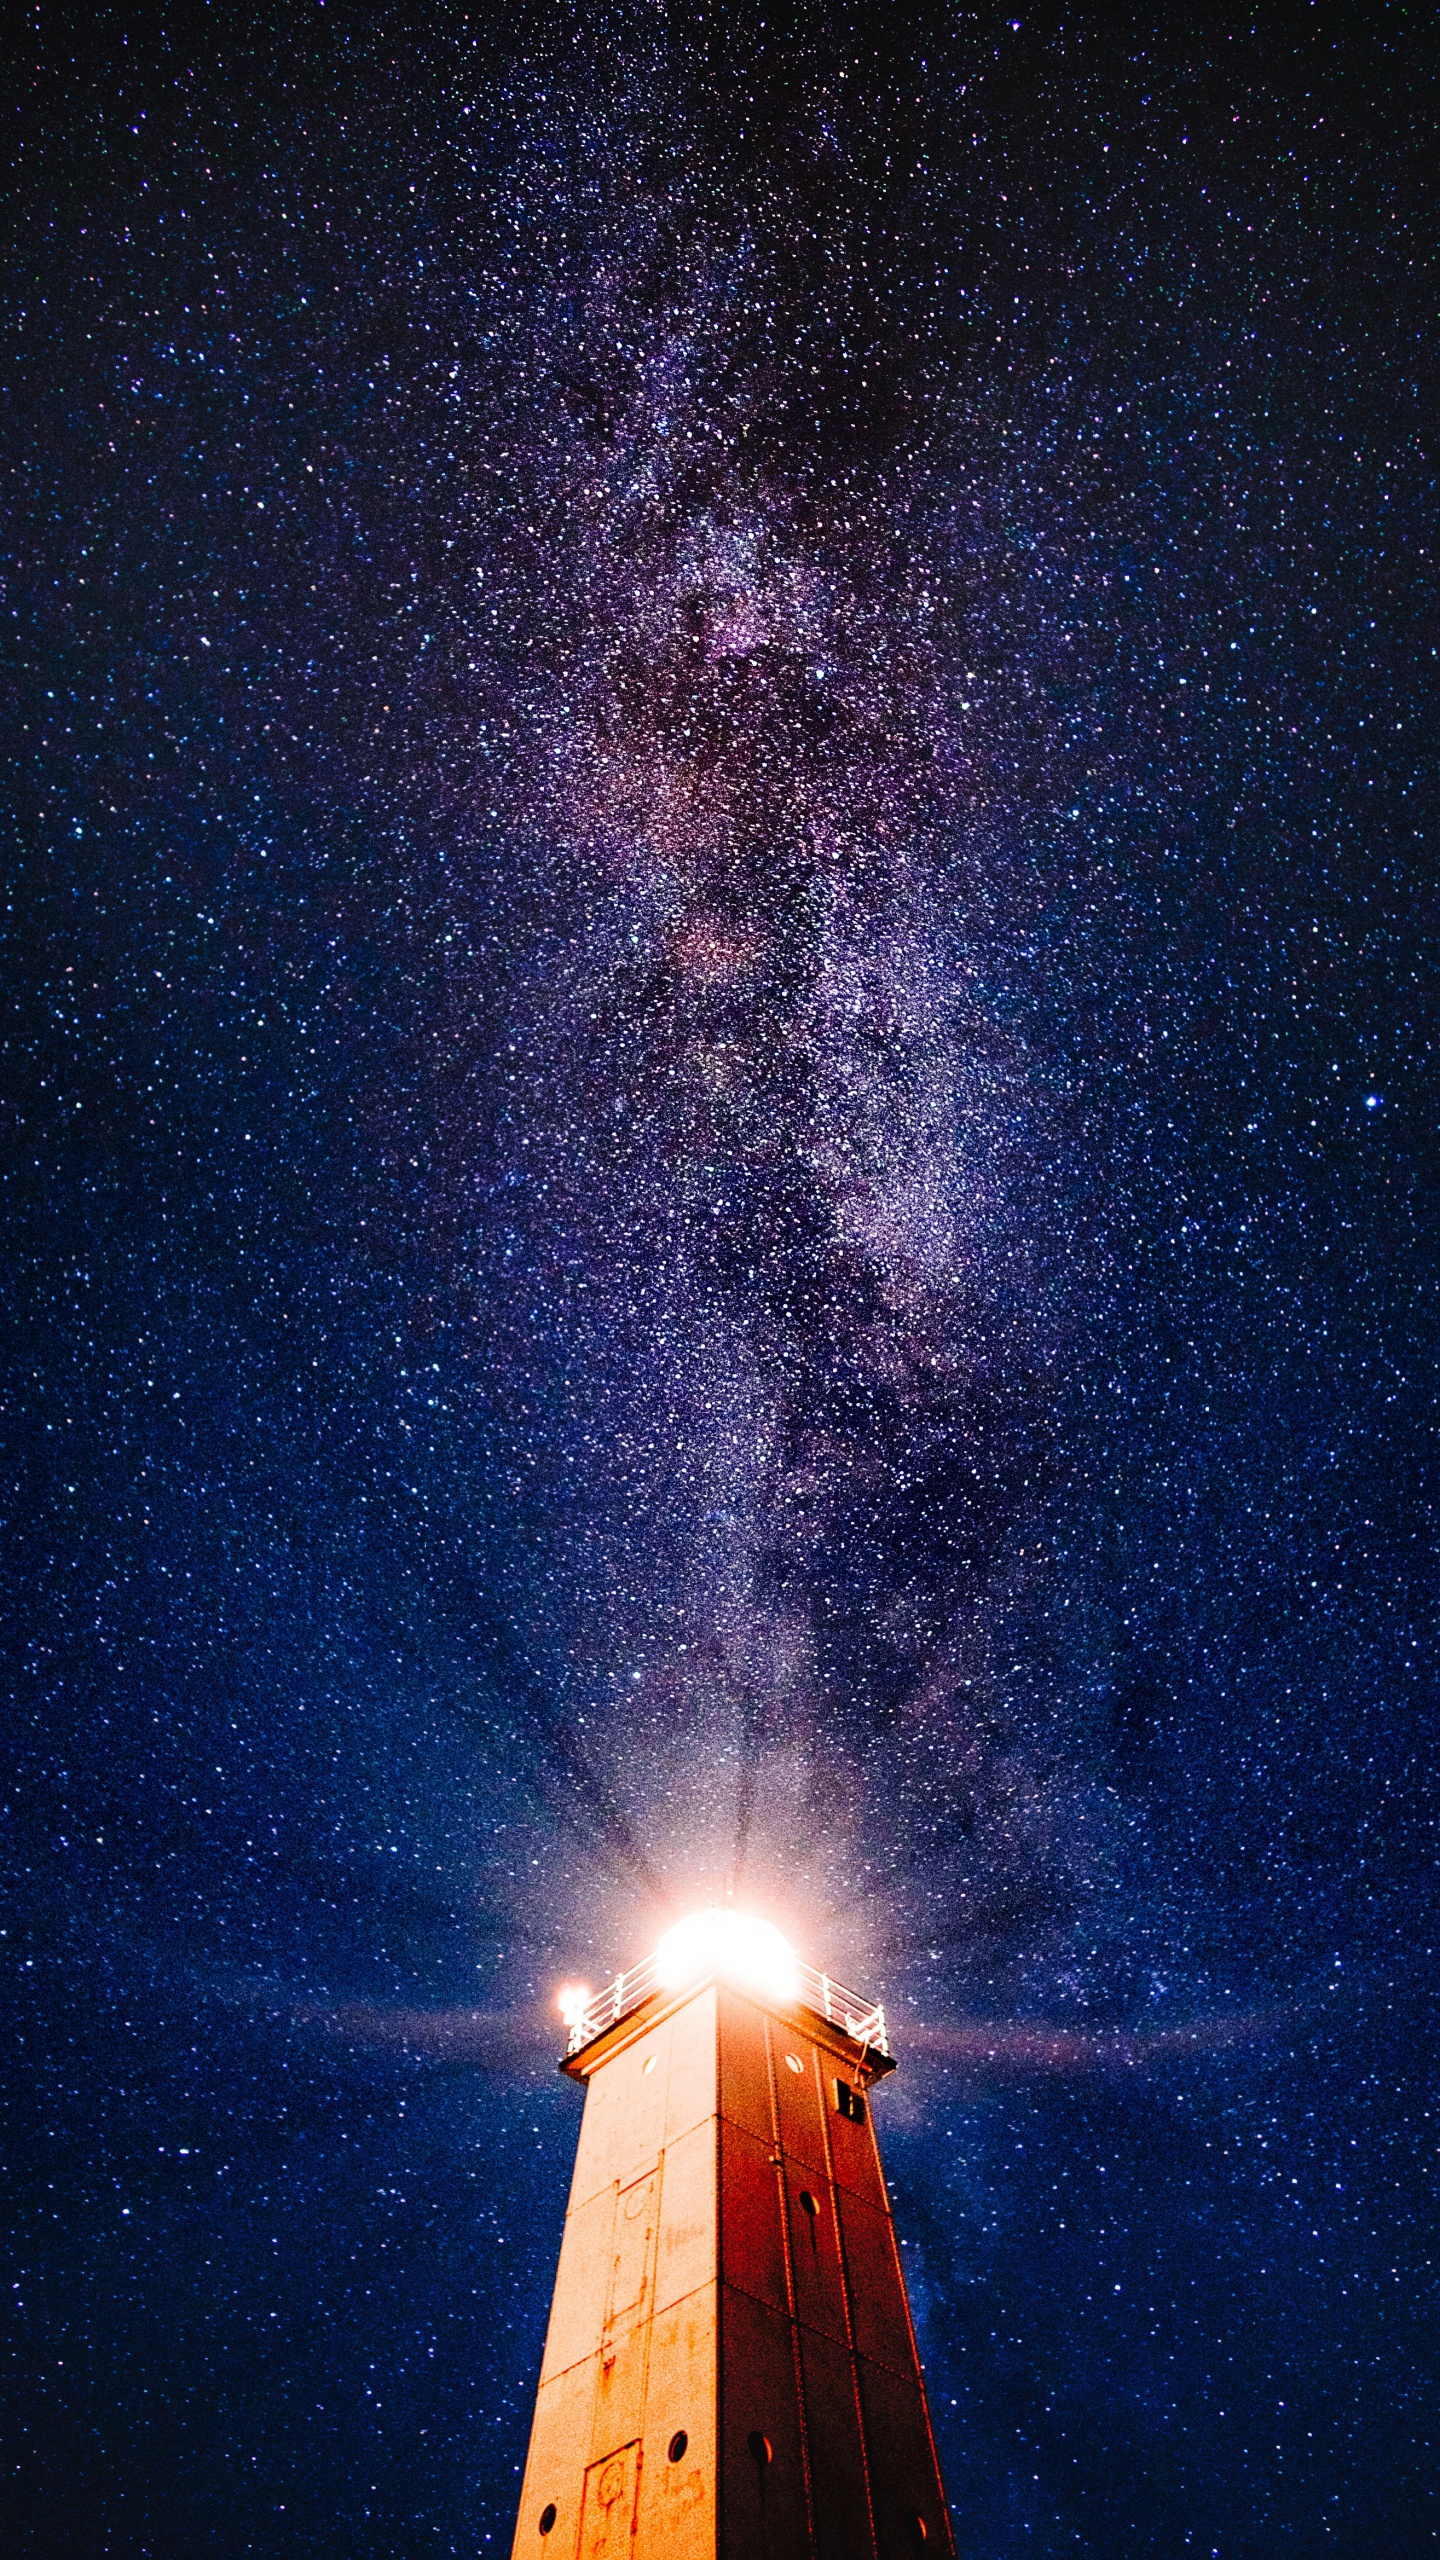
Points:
[849,2010]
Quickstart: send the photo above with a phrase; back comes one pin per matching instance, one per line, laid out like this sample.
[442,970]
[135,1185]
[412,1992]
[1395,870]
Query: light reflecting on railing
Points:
[862,2019]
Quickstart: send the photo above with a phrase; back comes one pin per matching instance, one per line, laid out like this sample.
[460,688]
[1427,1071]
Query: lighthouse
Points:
[730,2371]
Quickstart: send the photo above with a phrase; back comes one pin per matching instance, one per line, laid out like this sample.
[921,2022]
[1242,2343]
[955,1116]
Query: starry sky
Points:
[718,1118]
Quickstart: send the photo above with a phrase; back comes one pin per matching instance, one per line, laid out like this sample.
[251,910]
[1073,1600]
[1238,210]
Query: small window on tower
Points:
[849,2103]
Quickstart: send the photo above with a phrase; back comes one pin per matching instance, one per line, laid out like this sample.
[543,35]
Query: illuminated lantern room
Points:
[730,2371]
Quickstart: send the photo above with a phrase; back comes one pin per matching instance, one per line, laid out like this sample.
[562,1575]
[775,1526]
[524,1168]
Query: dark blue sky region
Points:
[719,1149]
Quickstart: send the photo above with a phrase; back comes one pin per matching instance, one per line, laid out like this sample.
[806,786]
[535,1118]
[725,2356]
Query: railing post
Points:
[825,1999]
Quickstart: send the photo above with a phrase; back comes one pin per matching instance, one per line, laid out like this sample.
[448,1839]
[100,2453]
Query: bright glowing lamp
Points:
[572,2000]
[735,1944]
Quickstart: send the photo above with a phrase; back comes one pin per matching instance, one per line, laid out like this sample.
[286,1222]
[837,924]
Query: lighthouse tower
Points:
[730,2372]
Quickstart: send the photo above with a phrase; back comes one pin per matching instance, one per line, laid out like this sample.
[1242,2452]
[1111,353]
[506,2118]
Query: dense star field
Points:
[720,1104]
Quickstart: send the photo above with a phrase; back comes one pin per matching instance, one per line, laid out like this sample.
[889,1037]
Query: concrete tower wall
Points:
[730,2371]
[631,2355]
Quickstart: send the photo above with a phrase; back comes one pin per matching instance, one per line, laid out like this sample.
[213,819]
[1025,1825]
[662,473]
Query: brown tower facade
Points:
[730,2371]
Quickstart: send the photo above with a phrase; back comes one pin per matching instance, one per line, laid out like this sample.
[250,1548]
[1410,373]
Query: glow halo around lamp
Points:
[735,1944]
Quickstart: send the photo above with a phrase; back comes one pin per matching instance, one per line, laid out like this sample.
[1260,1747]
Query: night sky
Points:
[719,1107]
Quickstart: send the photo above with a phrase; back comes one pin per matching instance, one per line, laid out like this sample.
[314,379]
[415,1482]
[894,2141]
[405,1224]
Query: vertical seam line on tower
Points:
[846,2303]
[783,2201]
